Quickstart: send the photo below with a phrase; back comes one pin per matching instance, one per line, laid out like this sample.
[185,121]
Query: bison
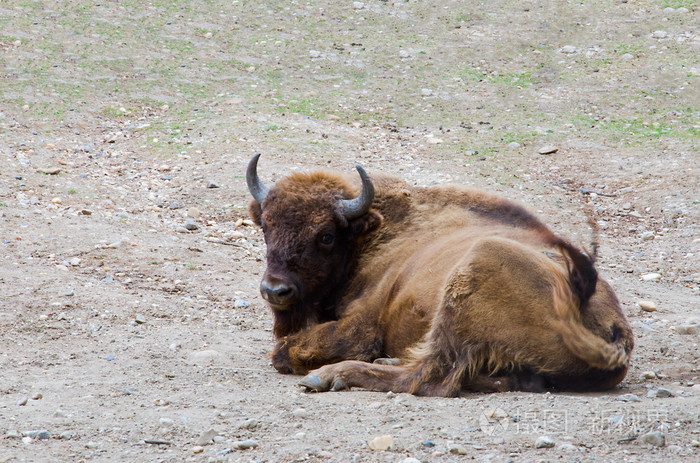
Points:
[445,289]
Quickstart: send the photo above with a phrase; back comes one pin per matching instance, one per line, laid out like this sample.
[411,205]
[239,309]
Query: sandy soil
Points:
[126,337]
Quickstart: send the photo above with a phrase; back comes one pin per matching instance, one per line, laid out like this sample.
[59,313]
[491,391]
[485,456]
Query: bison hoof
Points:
[314,383]
[386,361]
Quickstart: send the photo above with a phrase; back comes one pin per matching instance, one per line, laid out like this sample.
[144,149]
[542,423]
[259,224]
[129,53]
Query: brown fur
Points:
[470,291]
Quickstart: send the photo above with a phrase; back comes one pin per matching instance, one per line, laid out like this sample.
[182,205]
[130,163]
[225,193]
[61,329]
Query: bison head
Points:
[312,225]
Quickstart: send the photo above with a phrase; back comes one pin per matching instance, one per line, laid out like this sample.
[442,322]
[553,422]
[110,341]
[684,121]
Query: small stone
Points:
[695,443]
[410,460]
[37,396]
[85,212]
[197,449]
[13,434]
[206,357]
[206,438]
[629,398]
[514,144]
[404,54]
[627,56]
[548,149]
[39,434]
[166,423]
[314,54]
[140,319]
[300,413]
[647,236]
[544,442]
[659,35]
[382,443]
[114,245]
[568,49]
[358,5]
[241,303]
[426,92]
[56,200]
[248,424]
[682,10]
[626,206]
[647,375]
[75,261]
[91,445]
[651,393]
[687,329]
[655,438]
[664,393]
[647,306]
[651,277]
[49,171]
[23,401]
[193,212]
[458,450]
[175,205]
[245,444]
[27,440]
[191,225]
[212,184]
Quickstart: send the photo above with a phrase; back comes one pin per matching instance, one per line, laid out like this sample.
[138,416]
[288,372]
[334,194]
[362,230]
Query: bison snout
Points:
[278,293]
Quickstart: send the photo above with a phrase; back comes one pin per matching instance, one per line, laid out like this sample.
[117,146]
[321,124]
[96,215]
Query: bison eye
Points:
[327,239]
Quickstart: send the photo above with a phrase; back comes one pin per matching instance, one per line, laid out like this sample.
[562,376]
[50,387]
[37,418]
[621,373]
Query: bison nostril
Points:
[277,294]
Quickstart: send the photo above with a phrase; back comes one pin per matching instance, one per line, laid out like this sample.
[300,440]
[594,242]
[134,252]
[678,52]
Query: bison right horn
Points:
[354,208]
[255,186]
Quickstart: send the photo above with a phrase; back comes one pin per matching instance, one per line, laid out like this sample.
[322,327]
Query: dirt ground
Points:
[125,336]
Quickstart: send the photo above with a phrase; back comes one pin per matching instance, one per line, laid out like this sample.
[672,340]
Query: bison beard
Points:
[464,291]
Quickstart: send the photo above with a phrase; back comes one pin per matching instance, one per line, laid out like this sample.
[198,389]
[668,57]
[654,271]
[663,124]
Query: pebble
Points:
[248,424]
[206,357]
[651,277]
[655,438]
[664,393]
[245,444]
[410,460]
[140,319]
[548,149]
[56,200]
[426,92]
[647,306]
[85,212]
[629,398]
[458,450]
[241,303]
[314,54]
[627,56]
[627,206]
[300,413]
[687,329]
[37,396]
[23,401]
[206,438]
[647,375]
[212,184]
[91,445]
[544,442]
[166,423]
[175,205]
[513,144]
[114,245]
[659,35]
[41,434]
[75,261]
[568,49]
[358,5]
[49,171]
[193,212]
[13,434]
[382,443]
[647,236]
[190,224]
[197,449]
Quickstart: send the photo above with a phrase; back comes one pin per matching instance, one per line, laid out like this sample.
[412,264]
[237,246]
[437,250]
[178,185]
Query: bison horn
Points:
[354,208]
[255,186]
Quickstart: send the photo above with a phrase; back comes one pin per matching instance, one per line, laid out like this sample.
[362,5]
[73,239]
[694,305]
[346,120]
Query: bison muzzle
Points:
[445,289]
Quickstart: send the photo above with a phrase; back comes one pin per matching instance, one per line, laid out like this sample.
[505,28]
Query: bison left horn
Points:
[255,186]
[354,208]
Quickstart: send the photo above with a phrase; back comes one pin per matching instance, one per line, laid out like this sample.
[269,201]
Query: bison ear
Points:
[255,212]
[366,223]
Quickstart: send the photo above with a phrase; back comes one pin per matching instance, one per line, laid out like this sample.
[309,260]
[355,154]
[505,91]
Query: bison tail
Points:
[582,342]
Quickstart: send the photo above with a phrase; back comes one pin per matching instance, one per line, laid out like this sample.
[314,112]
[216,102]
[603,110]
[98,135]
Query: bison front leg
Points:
[346,339]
